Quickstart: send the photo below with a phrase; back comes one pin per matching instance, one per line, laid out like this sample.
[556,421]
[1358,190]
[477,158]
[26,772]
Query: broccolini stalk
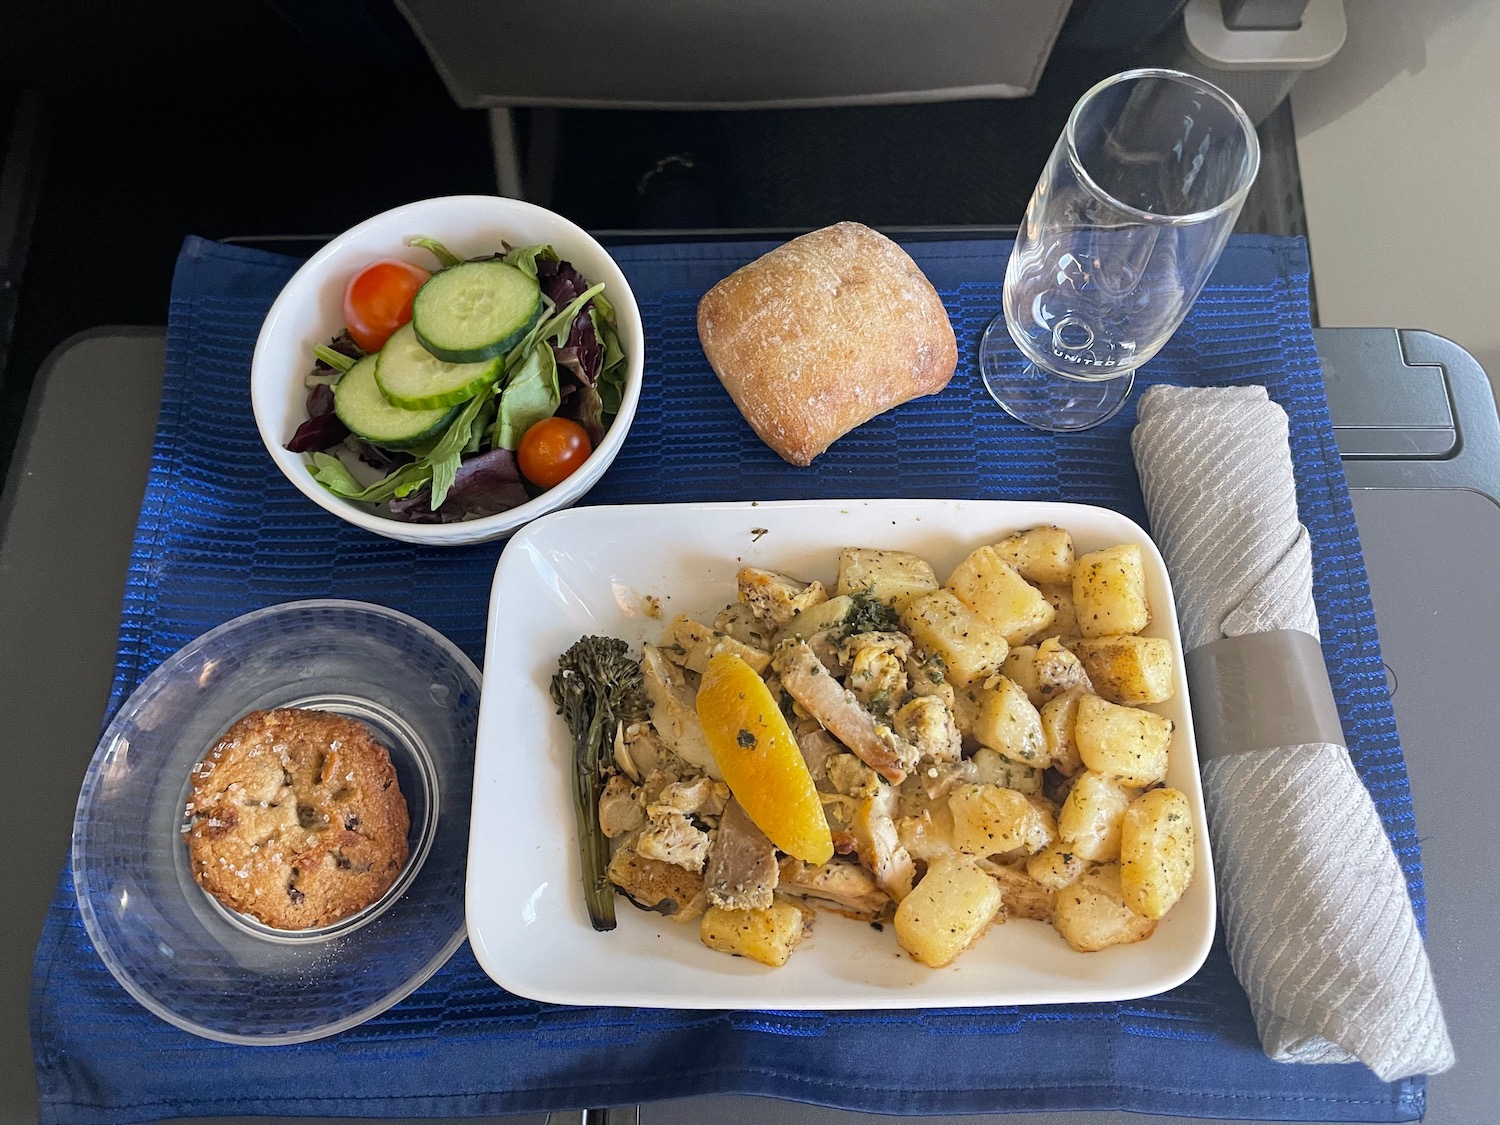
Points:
[597,687]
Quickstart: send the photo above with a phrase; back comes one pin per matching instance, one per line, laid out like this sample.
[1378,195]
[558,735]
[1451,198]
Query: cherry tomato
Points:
[551,449]
[377,300]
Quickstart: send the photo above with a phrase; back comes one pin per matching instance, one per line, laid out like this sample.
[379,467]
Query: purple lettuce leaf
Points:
[486,483]
[559,280]
[322,430]
[586,408]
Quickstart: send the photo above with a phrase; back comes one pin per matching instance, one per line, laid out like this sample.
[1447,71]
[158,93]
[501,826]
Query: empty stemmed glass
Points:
[1129,216]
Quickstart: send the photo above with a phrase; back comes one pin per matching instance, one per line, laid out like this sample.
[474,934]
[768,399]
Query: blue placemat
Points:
[221,533]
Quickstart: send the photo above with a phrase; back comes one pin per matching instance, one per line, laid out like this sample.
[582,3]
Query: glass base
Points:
[1041,399]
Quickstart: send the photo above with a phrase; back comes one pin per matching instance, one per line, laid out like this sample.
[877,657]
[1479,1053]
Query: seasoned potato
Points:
[1128,669]
[1056,866]
[996,591]
[1007,722]
[1092,915]
[893,577]
[1089,821]
[767,936]
[1041,554]
[1124,742]
[1109,592]
[994,768]
[1020,668]
[970,648]
[1058,717]
[1156,851]
[805,622]
[953,904]
[1065,616]
[1021,896]
[691,644]
[989,820]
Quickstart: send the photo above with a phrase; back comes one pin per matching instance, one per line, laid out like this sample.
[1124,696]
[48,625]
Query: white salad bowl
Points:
[309,311]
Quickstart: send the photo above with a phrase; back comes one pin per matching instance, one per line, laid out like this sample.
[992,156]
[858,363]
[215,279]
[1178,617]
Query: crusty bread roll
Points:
[824,333]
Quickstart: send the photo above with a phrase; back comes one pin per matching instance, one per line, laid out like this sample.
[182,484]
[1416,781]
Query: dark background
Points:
[126,126]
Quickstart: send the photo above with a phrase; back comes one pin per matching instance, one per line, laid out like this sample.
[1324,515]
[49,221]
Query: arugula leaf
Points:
[444,256]
[524,257]
[531,395]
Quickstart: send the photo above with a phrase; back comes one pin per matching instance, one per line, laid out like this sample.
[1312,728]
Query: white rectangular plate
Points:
[597,570]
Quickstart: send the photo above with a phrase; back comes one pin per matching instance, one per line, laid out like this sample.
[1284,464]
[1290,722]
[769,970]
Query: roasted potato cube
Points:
[1156,851]
[1124,742]
[1109,592]
[953,904]
[970,648]
[996,591]
[1021,896]
[767,936]
[1007,722]
[1056,866]
[1041,554]
[691,644]
[1020,668]
[1064,624]
[1089,821]
[814,619]
[989,820]
[994,768]
[892,577]
[1058,718]
[1091,913]
[1128,669]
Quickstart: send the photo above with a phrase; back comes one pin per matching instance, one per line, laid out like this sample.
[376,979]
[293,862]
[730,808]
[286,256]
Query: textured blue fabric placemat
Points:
[222,533]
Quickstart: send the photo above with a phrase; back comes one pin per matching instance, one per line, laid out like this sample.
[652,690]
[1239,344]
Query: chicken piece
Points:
[619,811]
[851,777]
[702,796]
[930,725]
[877,666]
[673,713]
[775,598]
[870,821]
[637,749]
[741,873]
[691,645]
[653,885]
[1058,670]
[740,622]
[810,684]
[1022,895]
[818,748]
[846,888]
[938,780]
[671,837]
[928,836]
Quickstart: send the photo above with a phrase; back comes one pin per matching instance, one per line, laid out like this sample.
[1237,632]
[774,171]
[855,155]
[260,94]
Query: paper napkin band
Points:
[1261,691]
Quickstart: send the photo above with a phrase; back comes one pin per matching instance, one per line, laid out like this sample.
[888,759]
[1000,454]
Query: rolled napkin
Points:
[1319,924]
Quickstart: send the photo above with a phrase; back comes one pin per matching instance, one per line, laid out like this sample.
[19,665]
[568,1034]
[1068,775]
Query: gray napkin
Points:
[1319,924]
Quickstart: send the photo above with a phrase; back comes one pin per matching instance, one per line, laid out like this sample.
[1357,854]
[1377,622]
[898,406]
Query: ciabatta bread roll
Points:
[824,333]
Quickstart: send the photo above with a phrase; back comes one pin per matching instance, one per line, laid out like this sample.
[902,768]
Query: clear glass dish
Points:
[227,977]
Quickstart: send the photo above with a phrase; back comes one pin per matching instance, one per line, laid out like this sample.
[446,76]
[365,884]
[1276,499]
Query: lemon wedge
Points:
[759,758]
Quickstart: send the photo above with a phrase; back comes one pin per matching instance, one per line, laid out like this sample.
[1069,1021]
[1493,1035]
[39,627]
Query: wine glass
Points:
[1129,216]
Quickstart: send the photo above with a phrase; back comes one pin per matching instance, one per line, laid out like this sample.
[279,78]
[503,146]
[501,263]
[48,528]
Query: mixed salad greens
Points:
[471,387]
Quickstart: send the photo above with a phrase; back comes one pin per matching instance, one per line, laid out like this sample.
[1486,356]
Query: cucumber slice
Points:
[415,379]
[475,310]
[360,406]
